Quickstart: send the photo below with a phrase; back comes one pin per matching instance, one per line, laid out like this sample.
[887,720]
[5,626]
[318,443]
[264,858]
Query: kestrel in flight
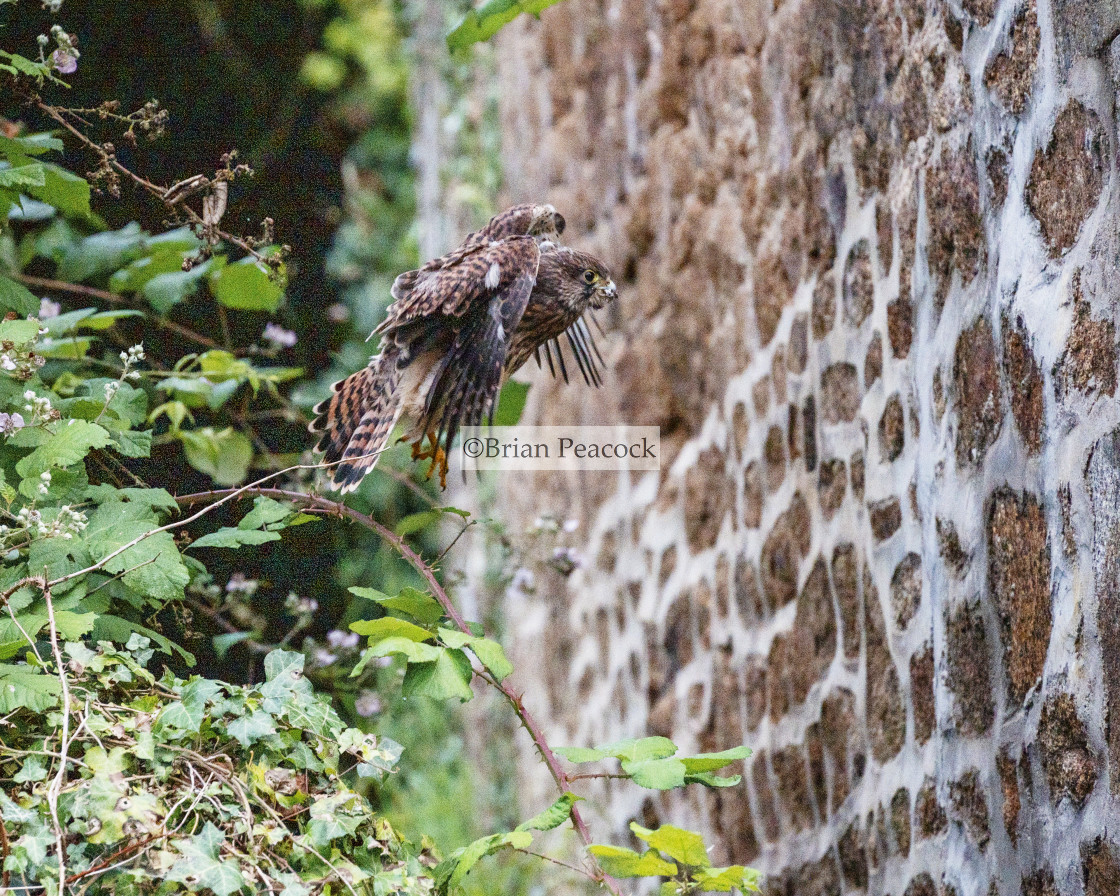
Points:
[458,328]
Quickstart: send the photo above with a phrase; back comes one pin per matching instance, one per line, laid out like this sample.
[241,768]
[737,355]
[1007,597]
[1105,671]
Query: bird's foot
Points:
[439,459]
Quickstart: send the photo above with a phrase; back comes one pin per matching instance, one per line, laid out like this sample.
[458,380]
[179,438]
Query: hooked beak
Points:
[605,294]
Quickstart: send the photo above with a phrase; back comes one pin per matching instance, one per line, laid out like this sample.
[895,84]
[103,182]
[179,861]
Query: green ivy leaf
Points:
[247,286]
[200,866]
[251,728]
[617,861]
[552,817]
[687,847]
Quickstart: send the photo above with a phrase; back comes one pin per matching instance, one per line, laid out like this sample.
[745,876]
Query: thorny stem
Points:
[316,504]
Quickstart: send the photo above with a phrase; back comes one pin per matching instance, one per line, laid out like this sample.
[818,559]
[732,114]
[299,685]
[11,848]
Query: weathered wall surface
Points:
[869,261]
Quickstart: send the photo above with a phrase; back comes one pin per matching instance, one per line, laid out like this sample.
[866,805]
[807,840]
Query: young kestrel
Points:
[458,328]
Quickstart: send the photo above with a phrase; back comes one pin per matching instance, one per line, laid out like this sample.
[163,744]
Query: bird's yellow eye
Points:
[590,277]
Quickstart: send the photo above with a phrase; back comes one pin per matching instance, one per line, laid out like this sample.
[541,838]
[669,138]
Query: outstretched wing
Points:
[453,290]
[514,221]
[467,379]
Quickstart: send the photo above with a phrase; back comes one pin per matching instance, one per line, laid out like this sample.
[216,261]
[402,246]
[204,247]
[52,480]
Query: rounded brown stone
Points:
[886,713]
[956,227]
[920,885]
[928,811]
[1019,579]
[853,855]
[900,326]
[885,517]
[1088,363]
[976,384]
[969,678]
[873,361]
[775,455]
[1024,384]
[855,468]
[798,356]
[824,306]
[1009,784]
[752,495]
[748,596]
[1067,177]
[900,820]
[921,694]
[858,289]
[970,805]
[1072,768]
[782,552]
[892,430]
[792,775]
[707,498]
[832,485]
[906,589]
[1011,73]
[1100,868]
[840,395]
[812,640]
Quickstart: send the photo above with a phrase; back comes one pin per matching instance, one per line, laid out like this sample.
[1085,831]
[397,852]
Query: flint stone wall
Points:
[868,254]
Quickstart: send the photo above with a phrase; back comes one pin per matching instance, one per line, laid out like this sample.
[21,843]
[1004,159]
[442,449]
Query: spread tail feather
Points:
[356,421]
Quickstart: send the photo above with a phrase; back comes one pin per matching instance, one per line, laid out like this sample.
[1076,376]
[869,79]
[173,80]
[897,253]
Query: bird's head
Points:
[580,280]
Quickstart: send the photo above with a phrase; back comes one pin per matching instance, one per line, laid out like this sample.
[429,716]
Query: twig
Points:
[4,852]
[55,787]
[105,296]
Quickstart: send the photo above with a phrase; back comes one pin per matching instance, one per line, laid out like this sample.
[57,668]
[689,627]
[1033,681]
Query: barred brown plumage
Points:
[458,327]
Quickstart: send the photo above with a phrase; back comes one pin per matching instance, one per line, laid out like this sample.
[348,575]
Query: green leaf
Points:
[414,522]
[20,332]
[247,286]
[228,537]
[489,653]
[552,817]
[101,253]
[251,728]
[223,455]
[710,780]
[72,441]
[447,677]
[418,604]
[166,290]
[483,23]
[580,754]
[687,847]
[200,866]
[640,749]
[22,687]
[449,874]
[222,643]
[30,145]
[511,402]
[710,762]
[617,861]
[17,297]
[265,512]
[724,880]
[23,177]
[152,567]
[389,627]
[64,190]
[656,774]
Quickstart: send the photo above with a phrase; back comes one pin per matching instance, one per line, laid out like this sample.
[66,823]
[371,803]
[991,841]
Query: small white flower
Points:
[7,362]
[49,309]
[278,336]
